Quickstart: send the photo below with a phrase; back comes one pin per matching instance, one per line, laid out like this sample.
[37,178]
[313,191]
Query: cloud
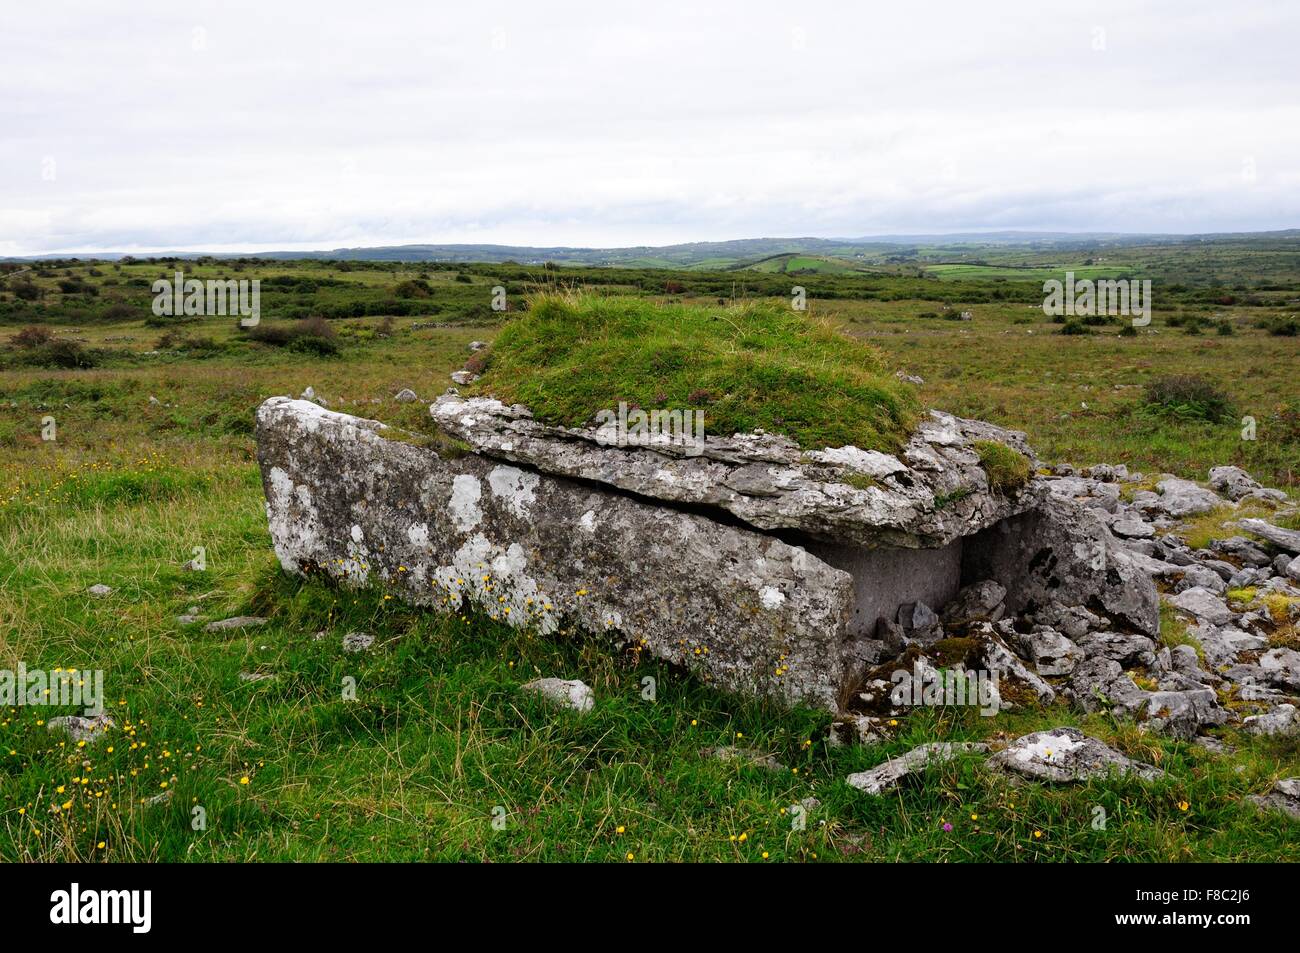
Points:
[295,125]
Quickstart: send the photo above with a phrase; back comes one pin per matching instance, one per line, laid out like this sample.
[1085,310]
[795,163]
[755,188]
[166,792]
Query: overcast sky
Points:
[281,125]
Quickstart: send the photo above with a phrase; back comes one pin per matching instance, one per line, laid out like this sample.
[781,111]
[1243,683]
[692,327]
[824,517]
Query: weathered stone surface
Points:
[1067,754]
[81,728]
[1282,720]
[1286,539]
[979,602]
[1181,498]
[1285,796]
[1203,604]
[1128,650]
[406,396]
[1061,555]
[99,590]
[1281,668]
[746,611]
[238,622]
[573,694]
[745,756]
[1005,664]
[1235,483]
[1182,714]
[357,641]
[1099,682]
[933,492]
[1050,652]
[885,777]
[1133,529]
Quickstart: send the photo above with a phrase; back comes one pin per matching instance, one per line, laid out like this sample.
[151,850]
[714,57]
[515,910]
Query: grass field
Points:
[438,743]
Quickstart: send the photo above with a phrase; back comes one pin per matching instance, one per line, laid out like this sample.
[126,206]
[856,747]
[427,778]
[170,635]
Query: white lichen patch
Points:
[1046,748]
[293,521]
[496,580]
[587,522]
[515,487]
[870,462]
[418,534]
[463,506]
[771,597]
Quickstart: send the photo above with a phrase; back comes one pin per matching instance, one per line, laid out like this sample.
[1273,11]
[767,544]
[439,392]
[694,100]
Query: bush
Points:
[413,289]
[118,311]
[1128,331]
[1074,326]
[311,335]
[25,290]
[34,336]
[1189,397]
[65,354]
[1224,328]
[1287,327]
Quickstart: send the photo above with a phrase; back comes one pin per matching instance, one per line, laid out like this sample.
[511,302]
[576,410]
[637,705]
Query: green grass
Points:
[439,736]
[755,366]
[1007,469]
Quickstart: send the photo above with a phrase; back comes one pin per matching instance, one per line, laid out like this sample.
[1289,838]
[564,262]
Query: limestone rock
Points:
[1050,652]
[1182,714]
[744,610]
[1182,498]
[885,777]
[1285,796]
[1060,555]
[1205,605]
[238,622]
[99,590]
[1232,482]
[82,728]
[1285,539]
[1281,668]
[926,496]
[573,694]
[746,756]
[357,641]
[1282,720]
[1066,755]
[979,602]
[406,396]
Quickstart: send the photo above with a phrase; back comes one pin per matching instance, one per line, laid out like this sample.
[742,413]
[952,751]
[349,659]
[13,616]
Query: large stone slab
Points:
[745,610]
[925,497]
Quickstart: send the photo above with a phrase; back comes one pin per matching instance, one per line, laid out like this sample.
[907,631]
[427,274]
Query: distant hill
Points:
[751,252]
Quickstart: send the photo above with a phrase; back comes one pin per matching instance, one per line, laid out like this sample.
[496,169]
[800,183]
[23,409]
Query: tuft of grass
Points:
[1173,631]
[760,365]
[1007,469]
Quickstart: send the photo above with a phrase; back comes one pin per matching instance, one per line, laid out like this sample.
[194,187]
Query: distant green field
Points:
[1038,273]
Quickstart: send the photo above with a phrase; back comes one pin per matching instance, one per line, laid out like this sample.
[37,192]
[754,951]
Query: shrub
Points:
[1224,328]
[311,335]
[1128,331]
[1287,327]
[1074,326]
[413,289]
[119,311]
[1189,397]
[34,336]
[25,290]
[65,354]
